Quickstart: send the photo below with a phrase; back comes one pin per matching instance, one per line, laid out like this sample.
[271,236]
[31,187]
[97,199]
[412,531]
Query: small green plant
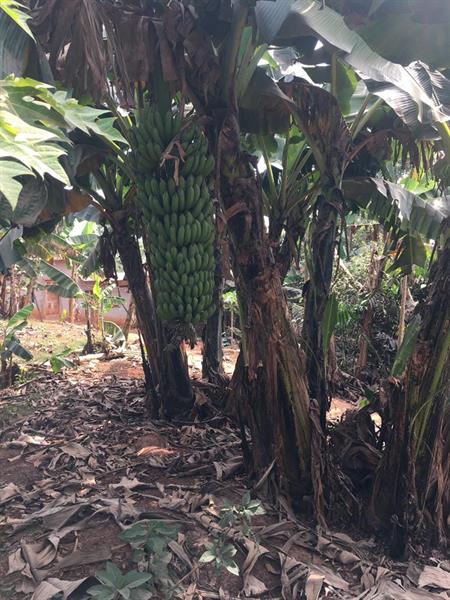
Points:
[240,516]
[59,361]
[10,346]
[150,540]
[115,585]
[232,515]
[102,301]
[222,555]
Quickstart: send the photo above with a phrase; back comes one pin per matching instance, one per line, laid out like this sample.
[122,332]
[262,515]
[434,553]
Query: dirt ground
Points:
[81,461]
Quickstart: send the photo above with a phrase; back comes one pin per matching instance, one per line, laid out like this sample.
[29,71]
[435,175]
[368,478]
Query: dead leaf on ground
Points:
[313,585]
[76,450]
[83,557]
[155,451]
[49,588]
[254,586]
[434,577]
[8,492]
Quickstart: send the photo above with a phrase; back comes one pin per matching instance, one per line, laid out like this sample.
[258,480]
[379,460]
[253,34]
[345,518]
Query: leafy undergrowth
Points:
[99,501]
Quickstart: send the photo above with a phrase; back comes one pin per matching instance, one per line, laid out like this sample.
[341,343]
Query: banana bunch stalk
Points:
[177,213]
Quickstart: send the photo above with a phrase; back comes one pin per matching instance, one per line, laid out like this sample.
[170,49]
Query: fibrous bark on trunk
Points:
[419,434]
[269,388]
[323,246]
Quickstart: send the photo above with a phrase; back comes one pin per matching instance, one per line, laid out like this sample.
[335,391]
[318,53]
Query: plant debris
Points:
[97,464]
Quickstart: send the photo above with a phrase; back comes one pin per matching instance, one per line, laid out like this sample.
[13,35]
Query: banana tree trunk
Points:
[129,319]
[166,370]
[212,363]
[269,387]
[402,316]
[410,484]
[323,246]
[374,278]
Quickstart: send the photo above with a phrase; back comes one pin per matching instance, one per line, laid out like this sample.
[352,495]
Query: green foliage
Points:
[15,11]
[114,585]
[232,515]
[60,361]
[35,121]
[407,346]
[11,344]
[150,540]
[221,552]
[222,555]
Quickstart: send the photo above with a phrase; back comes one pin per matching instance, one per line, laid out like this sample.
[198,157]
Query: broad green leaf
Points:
[270,16]
[207,557]
[402,35]
[19,318]
[111,576]
[31,202]
[58,363]
[9,186]
[15,347]
[232,568]
[330,27]
[410,251]
[101,592]
[394,207]
[11,249]
[39,155]
[15,11]
[92,262]
[346,82]
[434,84]
[65,285]
[407,346]
[134,579]
[87,118]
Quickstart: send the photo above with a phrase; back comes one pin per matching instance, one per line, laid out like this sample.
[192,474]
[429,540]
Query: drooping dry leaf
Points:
[179,551]
[155,451]
[76,450]
[313,585]
[254,586]
[15,562]
[331,578]
[435,578]
[49,588]
[388,590]
[40,554]
[8,492]
[83,557]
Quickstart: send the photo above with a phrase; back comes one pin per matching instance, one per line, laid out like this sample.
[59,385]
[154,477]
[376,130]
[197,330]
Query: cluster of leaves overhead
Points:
[35,123]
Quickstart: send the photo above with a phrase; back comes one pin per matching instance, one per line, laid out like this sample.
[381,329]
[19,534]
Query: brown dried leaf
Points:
[254,586]
[155,451]
[75,450]
[83,557]
[16,562]
[8,492]
[48,589]
[434,577]
[313,585]
[40,554]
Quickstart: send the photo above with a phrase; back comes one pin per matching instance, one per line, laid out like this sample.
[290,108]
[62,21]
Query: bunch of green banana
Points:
[177,213]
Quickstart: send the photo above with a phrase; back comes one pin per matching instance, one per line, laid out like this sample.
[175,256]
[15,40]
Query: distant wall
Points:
[51,307]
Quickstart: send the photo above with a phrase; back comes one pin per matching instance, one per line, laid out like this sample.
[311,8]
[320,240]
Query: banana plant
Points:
[11,346]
